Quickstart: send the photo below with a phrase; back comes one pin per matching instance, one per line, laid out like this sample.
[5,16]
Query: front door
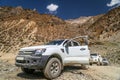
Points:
[76,53]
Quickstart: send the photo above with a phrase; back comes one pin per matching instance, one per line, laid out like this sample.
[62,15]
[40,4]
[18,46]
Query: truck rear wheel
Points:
[28,71]
[85,67]
[53,68]
[91,63]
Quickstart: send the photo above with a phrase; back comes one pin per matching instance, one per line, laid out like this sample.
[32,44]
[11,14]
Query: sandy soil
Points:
[8,71]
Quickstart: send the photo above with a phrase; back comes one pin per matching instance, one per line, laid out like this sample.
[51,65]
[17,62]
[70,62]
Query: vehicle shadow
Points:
[35,75]
[73,69]
[40,76]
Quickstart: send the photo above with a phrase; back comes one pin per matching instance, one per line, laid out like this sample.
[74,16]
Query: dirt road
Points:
[11,72]
[104,72]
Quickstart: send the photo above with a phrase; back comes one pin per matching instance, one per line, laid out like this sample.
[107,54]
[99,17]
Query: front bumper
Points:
[93,61]
[31,62]
[105,63]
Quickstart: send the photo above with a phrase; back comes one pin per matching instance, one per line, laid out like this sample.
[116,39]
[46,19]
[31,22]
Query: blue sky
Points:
[65,9]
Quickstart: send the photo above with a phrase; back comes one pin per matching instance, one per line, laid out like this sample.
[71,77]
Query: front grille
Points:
[28,61]
[21,61]
[26,52]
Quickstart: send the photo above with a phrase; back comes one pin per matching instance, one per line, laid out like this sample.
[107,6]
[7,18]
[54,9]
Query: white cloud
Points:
[52,7]
[113,3]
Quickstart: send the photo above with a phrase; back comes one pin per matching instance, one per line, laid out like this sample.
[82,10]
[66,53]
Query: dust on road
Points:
[11,72]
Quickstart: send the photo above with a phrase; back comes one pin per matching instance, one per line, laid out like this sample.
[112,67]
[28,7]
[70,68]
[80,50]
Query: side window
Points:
[75,44]
[67,44]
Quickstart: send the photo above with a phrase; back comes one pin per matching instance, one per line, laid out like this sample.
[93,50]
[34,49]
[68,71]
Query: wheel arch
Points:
[55,55]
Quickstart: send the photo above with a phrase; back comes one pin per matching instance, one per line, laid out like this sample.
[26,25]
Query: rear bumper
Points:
[32,62]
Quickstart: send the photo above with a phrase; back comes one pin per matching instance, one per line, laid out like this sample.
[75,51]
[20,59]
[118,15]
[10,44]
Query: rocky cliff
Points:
[24,27]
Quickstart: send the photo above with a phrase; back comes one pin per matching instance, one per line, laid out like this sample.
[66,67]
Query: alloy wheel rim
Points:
[54,68]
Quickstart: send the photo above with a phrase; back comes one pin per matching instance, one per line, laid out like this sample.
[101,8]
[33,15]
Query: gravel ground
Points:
[11,72]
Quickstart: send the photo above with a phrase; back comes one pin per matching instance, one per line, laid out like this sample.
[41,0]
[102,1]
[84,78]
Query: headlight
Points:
[39,52]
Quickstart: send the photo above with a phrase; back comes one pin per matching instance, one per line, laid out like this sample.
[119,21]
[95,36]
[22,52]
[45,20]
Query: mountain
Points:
[24,27]
[78,21]
[104,33]
[103,27]
[82,24]
[107,27]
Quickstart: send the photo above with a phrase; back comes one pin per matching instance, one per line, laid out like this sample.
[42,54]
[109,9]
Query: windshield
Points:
[93,54]
[104,59]
[56,42]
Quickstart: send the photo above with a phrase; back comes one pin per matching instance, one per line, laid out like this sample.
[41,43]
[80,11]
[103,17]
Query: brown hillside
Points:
[107,27]
[22,27]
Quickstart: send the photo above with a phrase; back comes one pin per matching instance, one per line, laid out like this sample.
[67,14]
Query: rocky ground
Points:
[11,72]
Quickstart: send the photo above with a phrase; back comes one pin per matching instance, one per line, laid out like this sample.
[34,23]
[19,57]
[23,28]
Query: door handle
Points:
[82,49]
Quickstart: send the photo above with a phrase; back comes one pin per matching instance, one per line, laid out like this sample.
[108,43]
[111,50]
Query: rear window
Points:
[75,44]
[56,42]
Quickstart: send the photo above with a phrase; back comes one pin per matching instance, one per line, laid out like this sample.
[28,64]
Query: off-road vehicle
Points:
[105,62]
[95,58]
[53,56]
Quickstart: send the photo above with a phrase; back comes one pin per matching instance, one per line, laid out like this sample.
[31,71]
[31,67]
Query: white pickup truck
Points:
[52,57]
[95,59]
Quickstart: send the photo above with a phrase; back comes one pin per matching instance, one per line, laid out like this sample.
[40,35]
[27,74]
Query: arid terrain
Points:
[24,27]
[10,72]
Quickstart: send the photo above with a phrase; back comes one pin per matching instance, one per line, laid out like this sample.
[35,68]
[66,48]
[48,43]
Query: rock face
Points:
[24,27]
[78,21]
[107,27]
[104,27]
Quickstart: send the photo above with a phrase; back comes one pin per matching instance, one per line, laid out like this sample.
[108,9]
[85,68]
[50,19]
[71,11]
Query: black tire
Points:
[28,71]
[53,68]
[91,64]
[85,67]
[98,63]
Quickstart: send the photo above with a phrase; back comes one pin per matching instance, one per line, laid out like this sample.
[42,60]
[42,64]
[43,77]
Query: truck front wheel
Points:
[53,68]
[28,71]
[98,63]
